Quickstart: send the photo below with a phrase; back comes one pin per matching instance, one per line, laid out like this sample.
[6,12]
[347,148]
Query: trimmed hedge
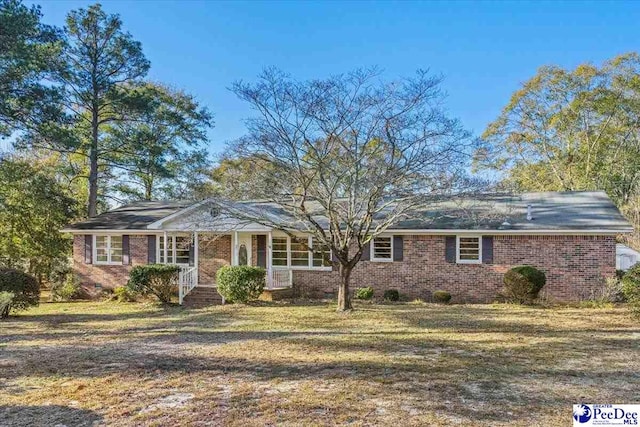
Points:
[522,284]
[364,293]
[160,280]
[240,283]
[391,295]
[441,297]
[24,290]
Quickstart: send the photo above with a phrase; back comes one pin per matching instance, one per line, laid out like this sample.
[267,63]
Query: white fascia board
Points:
[594,232]
[102,231]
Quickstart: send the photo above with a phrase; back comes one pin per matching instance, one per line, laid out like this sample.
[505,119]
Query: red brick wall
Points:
[575,267]
[214,252]
[108,276]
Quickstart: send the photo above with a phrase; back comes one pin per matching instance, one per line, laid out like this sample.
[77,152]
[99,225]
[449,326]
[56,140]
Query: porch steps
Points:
[202,296]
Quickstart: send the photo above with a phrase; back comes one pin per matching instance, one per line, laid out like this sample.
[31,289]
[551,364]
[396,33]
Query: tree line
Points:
[86,122]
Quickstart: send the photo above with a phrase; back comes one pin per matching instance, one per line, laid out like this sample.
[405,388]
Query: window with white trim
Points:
[299,253]
[279,252]
[178,249]
[321,254]
[382,249]
[468,250]
[107,249]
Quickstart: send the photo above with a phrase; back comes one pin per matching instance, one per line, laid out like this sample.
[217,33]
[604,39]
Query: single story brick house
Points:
[463,247]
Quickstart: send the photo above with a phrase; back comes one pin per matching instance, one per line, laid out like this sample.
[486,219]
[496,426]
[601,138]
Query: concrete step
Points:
[202,297]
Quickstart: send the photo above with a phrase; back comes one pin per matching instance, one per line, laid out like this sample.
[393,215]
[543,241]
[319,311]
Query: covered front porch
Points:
[200,254]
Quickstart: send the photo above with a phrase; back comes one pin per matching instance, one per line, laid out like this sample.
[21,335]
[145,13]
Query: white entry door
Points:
[244,249]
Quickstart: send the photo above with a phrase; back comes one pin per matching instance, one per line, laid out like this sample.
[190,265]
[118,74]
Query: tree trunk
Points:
[93,166]
[344,297]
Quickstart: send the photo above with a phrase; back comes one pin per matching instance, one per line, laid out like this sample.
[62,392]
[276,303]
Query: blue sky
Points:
[484,49]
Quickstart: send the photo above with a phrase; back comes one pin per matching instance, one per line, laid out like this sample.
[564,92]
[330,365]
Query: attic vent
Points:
[505,225]
[529,214]
[214,211]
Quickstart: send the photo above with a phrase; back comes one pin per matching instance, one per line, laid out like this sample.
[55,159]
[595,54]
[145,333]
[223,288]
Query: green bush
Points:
[441,297]
[522,284]
[364,293]
[631,288]
[391,295]
[124,294]
[240,283]
[160,280]
[6,298]
[24,287]
[67,290]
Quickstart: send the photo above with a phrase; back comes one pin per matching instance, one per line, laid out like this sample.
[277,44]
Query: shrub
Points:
[441,297]
[523,283]
[240,283]
[66,290]
[631,288]
[391,295]
[23,286]
[124,294]
[6,298]
[364,293]
[160,280]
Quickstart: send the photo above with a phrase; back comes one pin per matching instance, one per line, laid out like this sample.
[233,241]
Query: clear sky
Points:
[484,49]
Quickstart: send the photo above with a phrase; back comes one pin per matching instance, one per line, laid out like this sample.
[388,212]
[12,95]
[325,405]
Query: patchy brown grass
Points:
[132,364]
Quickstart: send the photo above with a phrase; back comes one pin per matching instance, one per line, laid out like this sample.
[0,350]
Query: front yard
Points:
[130,364]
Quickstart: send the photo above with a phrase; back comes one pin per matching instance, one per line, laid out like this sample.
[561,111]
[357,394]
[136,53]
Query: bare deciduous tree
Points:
[347,157]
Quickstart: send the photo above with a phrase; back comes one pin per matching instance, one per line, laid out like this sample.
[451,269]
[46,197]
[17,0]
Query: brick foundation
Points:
[576,266]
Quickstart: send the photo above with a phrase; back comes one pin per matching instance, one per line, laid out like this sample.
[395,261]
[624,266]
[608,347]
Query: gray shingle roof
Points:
[135,216]
[551,211]
[574,210]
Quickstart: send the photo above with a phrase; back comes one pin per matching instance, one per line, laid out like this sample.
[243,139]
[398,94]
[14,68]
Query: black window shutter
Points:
[398,248]
[126,258]
[88,248]
[366,252]
[487,249]
[192,253]
[151,249]
[450,248]
[261,241]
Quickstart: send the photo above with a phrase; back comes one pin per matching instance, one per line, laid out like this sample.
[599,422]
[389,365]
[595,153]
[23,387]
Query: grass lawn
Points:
[129,364]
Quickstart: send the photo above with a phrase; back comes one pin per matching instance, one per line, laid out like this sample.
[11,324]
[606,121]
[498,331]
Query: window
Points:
[279,251]
[108,249]
[178,249]
[300,253]
[469,250]
[321,254]
[381,249]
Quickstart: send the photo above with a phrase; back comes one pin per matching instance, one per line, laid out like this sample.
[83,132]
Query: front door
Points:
[244,249]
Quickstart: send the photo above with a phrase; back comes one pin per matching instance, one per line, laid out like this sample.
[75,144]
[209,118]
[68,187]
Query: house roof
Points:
[134,216]
[577,211]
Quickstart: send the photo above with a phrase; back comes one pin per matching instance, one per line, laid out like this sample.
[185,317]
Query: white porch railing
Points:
[279,278]
[187,280]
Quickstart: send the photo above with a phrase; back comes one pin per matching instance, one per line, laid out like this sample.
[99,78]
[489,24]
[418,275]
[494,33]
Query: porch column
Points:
[269,276]
[195,254]
[166,251]
[234,248]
